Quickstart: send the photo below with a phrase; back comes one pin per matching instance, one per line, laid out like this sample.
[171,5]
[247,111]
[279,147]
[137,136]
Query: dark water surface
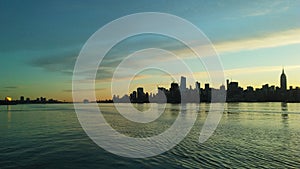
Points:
[250,135]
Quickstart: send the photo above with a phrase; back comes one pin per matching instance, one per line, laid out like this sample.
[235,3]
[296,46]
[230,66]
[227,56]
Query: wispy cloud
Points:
[277,39]
[261,69]
[125,70]
[261,8]
[107,68]
[57,63]
[83,90]
[11,87]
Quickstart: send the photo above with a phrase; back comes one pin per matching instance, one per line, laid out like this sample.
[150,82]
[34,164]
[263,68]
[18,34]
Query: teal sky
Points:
[40,41]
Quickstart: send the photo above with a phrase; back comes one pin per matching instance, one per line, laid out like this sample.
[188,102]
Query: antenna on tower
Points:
[172,80]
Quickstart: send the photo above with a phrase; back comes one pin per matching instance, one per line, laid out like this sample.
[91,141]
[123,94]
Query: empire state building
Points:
[283,83]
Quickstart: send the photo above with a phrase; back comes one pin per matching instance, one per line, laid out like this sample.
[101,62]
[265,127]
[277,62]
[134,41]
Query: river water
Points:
[249,135]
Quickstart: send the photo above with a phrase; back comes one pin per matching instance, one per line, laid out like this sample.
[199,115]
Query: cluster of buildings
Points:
[265,94]
[22,100]
[232,92]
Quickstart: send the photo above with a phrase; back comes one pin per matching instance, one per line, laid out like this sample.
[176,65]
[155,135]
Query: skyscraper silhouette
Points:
[283,81]
[183,84]
[197,86]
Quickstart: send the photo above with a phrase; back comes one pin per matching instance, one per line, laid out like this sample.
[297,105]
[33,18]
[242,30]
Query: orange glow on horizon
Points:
[8,99]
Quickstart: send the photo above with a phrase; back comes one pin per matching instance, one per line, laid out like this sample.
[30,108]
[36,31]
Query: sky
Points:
[40,42]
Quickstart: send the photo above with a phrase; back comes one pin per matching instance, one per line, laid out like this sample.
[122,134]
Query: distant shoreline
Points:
[3,104]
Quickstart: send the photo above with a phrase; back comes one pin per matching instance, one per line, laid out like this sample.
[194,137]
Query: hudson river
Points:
[249,135]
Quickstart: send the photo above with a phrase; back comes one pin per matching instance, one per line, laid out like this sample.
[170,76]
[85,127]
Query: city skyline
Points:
[41,41]
[267,93]
[165,86]
[178,92]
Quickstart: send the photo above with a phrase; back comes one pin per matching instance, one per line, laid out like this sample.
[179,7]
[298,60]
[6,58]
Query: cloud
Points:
[65,62]
[84,90]
[56,63]
[261,8]
[261,69]
[8,88]
[277,39]
[146,58]
[11,87]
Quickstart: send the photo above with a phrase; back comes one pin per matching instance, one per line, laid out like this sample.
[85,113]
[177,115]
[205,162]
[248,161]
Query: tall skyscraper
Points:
[140,93]
[182,83]
[197,85]
[227,84]
[283,81]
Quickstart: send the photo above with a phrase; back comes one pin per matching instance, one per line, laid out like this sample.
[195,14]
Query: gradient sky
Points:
[40,41]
